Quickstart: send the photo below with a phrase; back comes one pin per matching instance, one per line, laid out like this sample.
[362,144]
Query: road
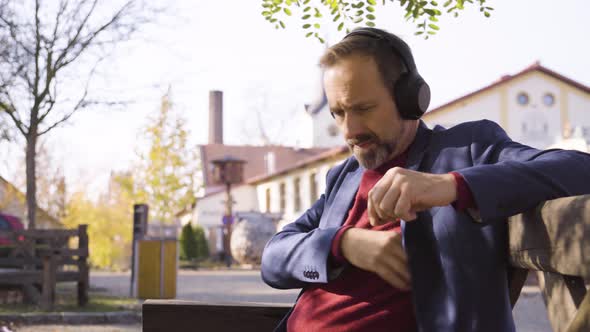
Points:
[246,286]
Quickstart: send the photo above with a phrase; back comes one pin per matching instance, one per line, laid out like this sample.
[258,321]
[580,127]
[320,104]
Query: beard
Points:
[373,156]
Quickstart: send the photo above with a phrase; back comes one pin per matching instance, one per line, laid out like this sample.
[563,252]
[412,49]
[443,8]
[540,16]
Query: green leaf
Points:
[359,13]
[370,9]
[305,2]
[321,40]
[433,18]
[336,18]
[429,12]
[372,2]
[434,3]
[306,9]
[358,20]
[446,4]
[316,25]
[306,26]
[418,33]
[334,11]
[340,26]
[370,24]
[287,11]
[305,17]
[433,26]
[370,16]
[432,32]
[273,20]
[309,34]
[282,24]
[487,14]
[266,13]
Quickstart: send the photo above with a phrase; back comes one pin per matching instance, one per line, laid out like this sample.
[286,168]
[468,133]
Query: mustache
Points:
[360,139]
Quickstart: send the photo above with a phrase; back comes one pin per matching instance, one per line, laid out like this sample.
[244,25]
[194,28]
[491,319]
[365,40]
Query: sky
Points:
[227,45]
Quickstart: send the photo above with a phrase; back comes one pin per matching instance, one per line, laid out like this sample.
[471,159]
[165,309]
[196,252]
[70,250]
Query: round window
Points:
[333,130]
[548,99]
[522,98]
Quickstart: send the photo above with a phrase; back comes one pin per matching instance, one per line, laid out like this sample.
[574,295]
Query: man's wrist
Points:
[336,249]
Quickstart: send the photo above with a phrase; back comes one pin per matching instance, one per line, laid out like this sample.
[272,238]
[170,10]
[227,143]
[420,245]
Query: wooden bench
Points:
[552,240]
[41,258]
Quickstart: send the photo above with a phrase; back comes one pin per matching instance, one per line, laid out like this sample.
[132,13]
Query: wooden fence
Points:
[38,259]
[552,240]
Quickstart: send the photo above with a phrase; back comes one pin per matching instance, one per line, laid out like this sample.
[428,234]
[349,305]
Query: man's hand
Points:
[379,252]
[401,193]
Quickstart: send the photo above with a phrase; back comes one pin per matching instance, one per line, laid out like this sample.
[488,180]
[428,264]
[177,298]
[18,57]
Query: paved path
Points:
[246,286]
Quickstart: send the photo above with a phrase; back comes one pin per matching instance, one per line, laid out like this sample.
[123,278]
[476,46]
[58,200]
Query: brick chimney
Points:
[215,117]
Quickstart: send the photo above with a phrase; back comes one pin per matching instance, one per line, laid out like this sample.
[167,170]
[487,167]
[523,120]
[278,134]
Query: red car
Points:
[9,223]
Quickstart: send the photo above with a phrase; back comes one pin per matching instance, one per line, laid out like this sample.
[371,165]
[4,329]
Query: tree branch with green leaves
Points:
[425,14]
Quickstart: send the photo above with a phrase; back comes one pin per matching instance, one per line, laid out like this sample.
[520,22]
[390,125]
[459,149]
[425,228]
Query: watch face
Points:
[522,98]
[548,99]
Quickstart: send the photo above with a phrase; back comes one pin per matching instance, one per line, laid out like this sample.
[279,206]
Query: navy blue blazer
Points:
[458,265]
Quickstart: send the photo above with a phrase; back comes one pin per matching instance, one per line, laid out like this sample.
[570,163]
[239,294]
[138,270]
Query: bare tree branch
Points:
[9,109]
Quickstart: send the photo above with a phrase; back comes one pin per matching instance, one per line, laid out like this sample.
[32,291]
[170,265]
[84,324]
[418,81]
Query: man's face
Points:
[365,111]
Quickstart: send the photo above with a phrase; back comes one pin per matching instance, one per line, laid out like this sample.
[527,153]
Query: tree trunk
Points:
[31,177]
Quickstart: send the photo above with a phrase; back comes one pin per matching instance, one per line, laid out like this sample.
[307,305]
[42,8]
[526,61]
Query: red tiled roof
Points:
[302,163]
[285,157]
[506,78]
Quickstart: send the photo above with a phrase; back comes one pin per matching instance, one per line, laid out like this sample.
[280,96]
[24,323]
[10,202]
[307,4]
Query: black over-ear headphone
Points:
[412,93]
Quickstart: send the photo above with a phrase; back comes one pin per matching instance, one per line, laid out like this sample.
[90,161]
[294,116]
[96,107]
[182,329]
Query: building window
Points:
[333,130]
[297,195]
[282,197]
[522,98]
[267,197]
[313,188]
[548,99]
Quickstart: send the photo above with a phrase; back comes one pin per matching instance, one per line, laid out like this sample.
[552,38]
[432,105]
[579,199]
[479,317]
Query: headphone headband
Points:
[398,45]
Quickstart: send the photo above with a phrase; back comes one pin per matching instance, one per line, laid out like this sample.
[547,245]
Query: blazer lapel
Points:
[338,210]
[418,147]
[416,154]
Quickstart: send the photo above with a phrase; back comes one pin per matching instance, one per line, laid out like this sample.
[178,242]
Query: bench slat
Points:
[162,315]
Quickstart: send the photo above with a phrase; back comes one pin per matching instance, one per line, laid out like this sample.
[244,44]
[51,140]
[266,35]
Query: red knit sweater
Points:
[359,300]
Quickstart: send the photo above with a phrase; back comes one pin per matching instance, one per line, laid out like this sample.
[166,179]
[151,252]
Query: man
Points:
[410,233]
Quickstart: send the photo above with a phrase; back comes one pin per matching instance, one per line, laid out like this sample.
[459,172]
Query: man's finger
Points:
[389,202]
[403,208]
[373,217]
[393,278]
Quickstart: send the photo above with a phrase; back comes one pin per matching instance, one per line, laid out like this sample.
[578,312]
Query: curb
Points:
[73,318]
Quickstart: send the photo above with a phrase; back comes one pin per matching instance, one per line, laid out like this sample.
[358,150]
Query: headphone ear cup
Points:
[412,95]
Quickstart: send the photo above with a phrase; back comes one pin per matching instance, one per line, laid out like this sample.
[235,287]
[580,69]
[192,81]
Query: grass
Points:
[203,264]
[66,301]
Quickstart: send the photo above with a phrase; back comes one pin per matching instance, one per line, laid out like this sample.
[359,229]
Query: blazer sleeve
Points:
[508,177]
[299,254]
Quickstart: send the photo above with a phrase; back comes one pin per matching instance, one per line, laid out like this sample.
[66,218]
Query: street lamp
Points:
[227,171]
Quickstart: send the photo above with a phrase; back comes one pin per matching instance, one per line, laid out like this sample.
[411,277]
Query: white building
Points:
[536,107]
